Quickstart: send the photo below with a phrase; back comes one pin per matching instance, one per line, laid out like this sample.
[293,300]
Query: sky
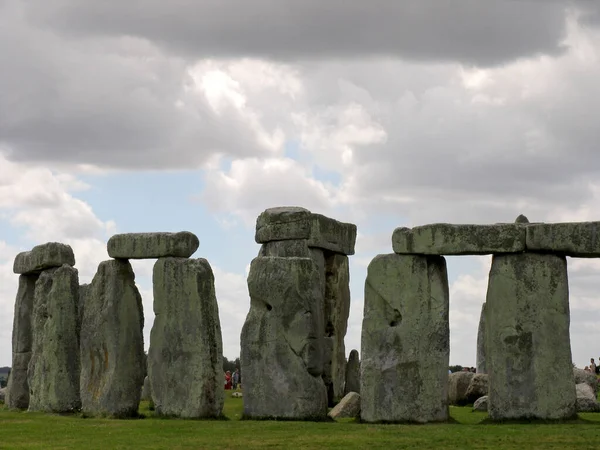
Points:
[198,116]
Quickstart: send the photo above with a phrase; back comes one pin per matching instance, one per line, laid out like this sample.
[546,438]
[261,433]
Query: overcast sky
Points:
[197,116]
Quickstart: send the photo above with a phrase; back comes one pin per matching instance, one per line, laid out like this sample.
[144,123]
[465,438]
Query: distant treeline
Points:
[230,365]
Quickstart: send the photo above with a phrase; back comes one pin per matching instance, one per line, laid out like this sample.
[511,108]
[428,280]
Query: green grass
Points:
[20,430]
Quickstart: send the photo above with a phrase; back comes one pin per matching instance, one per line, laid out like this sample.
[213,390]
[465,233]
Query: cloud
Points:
[464,30]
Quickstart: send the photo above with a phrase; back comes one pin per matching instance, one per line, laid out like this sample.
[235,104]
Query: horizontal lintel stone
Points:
[451,239]
[42,257]
[579,239]
[286,223]
[152,245]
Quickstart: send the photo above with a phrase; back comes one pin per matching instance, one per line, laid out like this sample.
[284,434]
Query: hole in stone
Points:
[397,319]
[269,307]
[329,329]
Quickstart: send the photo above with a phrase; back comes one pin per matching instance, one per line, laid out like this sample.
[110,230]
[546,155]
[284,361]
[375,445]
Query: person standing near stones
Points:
[236,378]
[593,366]
[228,380]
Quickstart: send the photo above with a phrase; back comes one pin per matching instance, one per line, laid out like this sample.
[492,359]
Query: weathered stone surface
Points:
[348,407]
[152,245]
[450,239]
[112,343]
[83,291]
[527,338]
[478,387]
[405,340]
[2,395]
[146,390]
[580,239]
[185,359]
[458,385]
[282,341]
[481,404]
[337,310]
[522,219]
[581,376]
[586,398]
[22,343]
[480,361]
[352,373]
[45,256]
[289,248]
[53,373]
[284,223]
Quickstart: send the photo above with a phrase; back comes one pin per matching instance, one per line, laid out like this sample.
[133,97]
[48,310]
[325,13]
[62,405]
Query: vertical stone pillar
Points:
[282,341]
[527,335]
[405,340]
[53,373]
[352,374]
[480,361]
[17,396]
[112,343]
[296,232]
[185,358]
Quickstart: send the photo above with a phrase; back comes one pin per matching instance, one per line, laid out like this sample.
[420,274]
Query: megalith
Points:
[282,341]
[17,392]
[185,358]
[297,232]
[480,360]
[53,372]
[405,340]
[528,356]
[352,373]
[112,343]
[152,245]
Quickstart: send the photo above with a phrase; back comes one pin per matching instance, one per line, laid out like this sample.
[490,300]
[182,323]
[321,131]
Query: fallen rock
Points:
[348,407]
[481,404]
[581,376]
[2,395]
[586,398]
[478,387]
[185,358]
[41,257]
[237,395]
[450,239]
[112,343]
[458,385]
[285,223]
[53,372]
[152,245]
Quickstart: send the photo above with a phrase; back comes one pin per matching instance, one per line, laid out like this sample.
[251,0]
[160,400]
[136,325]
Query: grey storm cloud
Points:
[469,31]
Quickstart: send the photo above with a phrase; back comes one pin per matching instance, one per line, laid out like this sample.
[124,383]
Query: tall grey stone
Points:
[405,340]
[337,310]
[42,257]
[112,343]
[282,341]
[185,359]
[152,245]
[352,383]
[53,372]
[480,360]
[527,335]
[17,396]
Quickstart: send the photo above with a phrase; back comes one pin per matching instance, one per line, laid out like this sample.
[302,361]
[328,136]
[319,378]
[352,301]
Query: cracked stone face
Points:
[282,340]
[405,340]
[527,338]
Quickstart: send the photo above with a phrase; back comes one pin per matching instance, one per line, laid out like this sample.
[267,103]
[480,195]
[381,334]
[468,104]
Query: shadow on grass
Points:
[572,421]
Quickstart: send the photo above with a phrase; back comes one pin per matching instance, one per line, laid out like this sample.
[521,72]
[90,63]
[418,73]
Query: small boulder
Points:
[237,395]
[581,376]
[458,384]
[42,257]
[2,395]
[348,407]
[481,404]
[586,399]
[478,387]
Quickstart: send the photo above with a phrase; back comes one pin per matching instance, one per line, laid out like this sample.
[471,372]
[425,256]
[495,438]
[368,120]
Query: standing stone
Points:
[22,342]
[337,310]
[146,391]
[185,359]
[112,343]
[352,374]
[405,340]
[458,385]
[282,341]
[480,361]
[53,373]
[527,338]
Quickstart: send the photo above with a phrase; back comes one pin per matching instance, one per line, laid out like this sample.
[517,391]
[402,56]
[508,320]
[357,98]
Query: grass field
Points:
[20,430]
